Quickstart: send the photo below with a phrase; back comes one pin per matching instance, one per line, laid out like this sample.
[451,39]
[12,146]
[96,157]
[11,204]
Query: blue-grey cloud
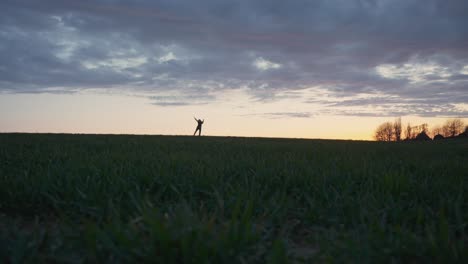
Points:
[278,115]
[412,50]
[181,100]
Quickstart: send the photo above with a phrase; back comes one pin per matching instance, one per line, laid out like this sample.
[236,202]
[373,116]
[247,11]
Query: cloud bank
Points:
[407,53]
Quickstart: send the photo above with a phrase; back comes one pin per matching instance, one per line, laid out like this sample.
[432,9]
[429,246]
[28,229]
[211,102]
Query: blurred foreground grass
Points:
[109,198]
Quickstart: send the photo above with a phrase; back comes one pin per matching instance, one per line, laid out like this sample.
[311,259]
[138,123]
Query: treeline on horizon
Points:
[452,128]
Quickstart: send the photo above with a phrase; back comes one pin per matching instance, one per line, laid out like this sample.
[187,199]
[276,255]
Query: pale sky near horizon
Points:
[119,114]
[305,69]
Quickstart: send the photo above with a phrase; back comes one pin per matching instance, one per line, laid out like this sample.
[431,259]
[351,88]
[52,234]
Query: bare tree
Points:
[437,130]
[384,132]
[446,131]
[424,128]
[408,132]
[397,129]
[453,127]
[392,131]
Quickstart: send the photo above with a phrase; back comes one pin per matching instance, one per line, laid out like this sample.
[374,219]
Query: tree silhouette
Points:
[453,127]
[392,131]
[397,129]
[408,132]
[437,130]
[384,132]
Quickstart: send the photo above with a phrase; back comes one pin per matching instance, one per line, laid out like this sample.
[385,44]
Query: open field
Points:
[105,198]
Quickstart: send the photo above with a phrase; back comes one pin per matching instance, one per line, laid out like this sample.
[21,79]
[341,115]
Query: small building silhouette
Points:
[438,137]
[422,137]
[464,134]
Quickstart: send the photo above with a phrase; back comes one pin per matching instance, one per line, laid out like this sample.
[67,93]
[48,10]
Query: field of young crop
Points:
[106,198]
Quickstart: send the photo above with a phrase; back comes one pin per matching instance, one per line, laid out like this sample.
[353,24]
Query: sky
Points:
[302,69]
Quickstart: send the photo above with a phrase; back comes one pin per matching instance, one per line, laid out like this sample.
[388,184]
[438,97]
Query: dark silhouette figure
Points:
[199,126]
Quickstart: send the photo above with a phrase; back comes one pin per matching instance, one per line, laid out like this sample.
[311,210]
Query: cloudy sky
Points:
[314,69]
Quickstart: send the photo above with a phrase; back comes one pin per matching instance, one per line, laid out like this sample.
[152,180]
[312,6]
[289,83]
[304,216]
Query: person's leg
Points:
[199,132]
[194,133]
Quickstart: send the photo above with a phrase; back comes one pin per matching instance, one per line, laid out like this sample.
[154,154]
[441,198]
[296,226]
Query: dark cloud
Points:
[414,50]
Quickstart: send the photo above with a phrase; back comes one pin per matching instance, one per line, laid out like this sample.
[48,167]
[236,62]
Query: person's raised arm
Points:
[195,119]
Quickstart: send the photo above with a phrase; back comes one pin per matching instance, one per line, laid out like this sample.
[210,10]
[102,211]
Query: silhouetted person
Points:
[200,123]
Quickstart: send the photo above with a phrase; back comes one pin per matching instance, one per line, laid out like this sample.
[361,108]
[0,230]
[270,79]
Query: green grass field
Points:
[106,198]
